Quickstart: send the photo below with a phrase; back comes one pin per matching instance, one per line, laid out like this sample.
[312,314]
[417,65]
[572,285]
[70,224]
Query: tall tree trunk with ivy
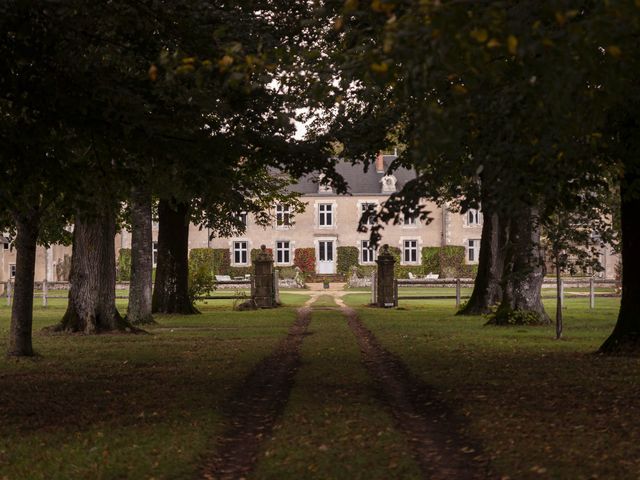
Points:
[171,290]
[20,343]
[523,272]
[487,289]
[141,285]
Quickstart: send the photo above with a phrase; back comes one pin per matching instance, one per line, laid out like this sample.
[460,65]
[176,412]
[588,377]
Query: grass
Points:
[333,427]
[147,406]
[126,406]
[543,408]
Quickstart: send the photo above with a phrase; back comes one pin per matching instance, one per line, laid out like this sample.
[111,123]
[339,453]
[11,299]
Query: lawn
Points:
[148,406]
[333,426]
[127,406]
[542,408]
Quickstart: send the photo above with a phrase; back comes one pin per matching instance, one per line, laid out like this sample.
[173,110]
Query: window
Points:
[283,215]
[242,216]
[154,254]
[410,251]
[283,252]
[325,215]
[473,251]
[240,253]
[367,252]
[409,218]
[474,217]
[5,246]
[12,271]
[369,210]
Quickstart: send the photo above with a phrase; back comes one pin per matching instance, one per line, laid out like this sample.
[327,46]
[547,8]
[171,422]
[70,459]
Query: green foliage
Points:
[305,260]
[431,259]
[287,272]
[201,272]
[123,269]
[452,261]
[347,257]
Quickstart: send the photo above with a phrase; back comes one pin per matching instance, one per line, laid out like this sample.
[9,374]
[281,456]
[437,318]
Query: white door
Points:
[326,263]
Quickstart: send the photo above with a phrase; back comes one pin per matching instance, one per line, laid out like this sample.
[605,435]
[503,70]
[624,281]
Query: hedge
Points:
[123,270]
[348,257]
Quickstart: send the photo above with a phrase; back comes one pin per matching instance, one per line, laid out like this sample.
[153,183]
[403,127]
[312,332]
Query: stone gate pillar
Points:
[385,279]
[263,280]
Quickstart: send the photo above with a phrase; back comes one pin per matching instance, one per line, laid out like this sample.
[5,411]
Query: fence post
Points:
[276,286]
[45,292]
[9,293]
[561,293]
[457,292]
[374,299]
[592,294]
[395,292]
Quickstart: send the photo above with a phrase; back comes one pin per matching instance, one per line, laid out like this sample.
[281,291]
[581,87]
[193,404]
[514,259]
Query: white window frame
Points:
[473,250]
[362,206]
[407,247]
[366,248]
[288,251]
[322,215]
[473,218]
[12,271]
[154,253]
[236,246]
[283,216]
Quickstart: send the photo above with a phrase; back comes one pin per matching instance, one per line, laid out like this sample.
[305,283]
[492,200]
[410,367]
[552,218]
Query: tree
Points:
[141,284]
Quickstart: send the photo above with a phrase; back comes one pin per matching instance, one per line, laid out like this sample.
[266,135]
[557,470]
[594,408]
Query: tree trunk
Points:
[625,338]
[487,291]
[559,299]
[139,309]
[92,296]
[22,309]
[523,273]
[171,291]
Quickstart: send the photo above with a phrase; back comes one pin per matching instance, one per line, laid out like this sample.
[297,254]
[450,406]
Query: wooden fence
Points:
[458,283]
[53,290]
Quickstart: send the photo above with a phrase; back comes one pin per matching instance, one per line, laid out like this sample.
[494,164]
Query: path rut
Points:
[432,429]
[254,408]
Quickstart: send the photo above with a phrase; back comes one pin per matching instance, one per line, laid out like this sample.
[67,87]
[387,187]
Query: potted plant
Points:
[325,282]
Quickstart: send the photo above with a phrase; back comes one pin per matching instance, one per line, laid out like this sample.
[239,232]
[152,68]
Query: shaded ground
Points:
[433,431]
[252,411]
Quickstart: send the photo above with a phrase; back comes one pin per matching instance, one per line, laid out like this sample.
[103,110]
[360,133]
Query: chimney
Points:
[380,163]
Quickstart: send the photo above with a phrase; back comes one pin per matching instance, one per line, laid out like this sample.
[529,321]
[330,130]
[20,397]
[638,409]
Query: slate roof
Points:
[359,182]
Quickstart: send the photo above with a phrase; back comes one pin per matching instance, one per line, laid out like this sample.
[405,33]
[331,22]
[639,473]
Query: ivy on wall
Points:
[305,260]
[348,257]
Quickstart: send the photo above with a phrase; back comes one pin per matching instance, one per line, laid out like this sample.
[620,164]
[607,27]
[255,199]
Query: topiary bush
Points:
[123,270]
[347,257]
[305,260]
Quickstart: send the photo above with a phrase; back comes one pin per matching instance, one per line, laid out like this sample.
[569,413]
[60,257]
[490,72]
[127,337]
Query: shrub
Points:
[123,270]
[305,260]
[431,259]
[201,271]
[287,272]
[347,257]
[452,261]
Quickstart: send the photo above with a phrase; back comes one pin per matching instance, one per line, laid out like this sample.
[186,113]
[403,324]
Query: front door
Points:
[326,263]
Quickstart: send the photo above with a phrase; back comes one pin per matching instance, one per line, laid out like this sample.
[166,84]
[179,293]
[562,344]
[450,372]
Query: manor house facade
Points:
[328,222]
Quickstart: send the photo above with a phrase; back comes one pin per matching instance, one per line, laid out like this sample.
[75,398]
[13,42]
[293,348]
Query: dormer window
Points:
[324,186]
[388,184]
